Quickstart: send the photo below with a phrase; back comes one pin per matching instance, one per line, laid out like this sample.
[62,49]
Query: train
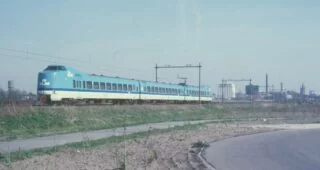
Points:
[63,84]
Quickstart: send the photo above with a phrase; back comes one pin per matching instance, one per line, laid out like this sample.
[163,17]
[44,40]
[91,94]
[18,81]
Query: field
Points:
[161,149]
[23,122]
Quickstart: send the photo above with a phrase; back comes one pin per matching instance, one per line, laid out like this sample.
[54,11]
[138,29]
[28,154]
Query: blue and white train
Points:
[59,83]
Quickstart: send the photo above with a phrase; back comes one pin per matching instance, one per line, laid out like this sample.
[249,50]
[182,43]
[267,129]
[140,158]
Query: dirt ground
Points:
[163,151]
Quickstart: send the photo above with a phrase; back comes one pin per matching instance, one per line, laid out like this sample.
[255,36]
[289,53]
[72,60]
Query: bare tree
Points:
[2,95]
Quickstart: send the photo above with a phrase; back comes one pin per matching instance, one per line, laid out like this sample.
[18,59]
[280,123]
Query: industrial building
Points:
[226,91]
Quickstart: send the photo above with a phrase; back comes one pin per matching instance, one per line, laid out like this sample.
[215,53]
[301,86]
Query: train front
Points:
[48,83]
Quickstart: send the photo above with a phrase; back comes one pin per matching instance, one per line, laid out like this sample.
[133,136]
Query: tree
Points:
[2,95]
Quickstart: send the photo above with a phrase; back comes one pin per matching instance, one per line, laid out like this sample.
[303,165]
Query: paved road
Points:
[56,140]
[281,150]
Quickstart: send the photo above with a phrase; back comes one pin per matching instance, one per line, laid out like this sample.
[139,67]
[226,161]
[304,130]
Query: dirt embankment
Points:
[163,151]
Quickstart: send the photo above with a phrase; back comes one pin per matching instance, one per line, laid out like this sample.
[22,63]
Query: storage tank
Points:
[227,91]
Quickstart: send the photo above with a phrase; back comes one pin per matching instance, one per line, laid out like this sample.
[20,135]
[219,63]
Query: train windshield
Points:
[55,68]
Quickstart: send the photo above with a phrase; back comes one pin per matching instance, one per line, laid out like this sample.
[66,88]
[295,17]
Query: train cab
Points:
[52,79]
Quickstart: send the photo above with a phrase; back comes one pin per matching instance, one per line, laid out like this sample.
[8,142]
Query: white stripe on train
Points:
[59,95]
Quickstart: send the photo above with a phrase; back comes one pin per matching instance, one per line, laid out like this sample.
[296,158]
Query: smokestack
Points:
[266,84]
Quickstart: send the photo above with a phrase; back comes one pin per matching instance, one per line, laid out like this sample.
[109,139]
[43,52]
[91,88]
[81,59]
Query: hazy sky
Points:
[231,39]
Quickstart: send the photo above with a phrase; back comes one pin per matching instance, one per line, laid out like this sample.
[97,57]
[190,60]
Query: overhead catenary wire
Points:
[75,61]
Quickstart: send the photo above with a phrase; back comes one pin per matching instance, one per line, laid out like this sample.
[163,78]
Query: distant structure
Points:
[252,89]
[312,93]
[281,87]
[10,89]
[302,90]
[227,91]
[267,83]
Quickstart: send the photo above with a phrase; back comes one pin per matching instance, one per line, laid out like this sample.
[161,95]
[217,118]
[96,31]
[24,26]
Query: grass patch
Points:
[38,121]
[25,122]
[8,158]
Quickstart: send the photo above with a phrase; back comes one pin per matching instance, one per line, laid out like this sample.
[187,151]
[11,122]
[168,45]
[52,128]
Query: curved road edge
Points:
[201,151]
[273,128]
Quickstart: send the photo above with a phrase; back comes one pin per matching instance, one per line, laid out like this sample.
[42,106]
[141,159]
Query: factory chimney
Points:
[266,84]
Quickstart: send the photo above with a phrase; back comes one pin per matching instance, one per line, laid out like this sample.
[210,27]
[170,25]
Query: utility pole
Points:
[156,72]
[199,83]
[182,66]
[222,90]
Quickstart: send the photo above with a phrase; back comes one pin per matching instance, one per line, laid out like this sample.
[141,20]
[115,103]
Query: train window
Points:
[89,84]
[114,86]
[55,68]
[156,90]
[130,87]
[79,84]
[125,87]
[148,89]
[134,88]
[74,84]
[152,89]
[102,86]
[108,86]
[84,84]
[119,87]
[95,85]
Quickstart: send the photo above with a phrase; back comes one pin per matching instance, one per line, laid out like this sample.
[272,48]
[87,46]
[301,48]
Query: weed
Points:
[199,144]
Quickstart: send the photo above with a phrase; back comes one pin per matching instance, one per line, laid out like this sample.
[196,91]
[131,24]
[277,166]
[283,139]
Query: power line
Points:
[26,58]
[66,58]
[81,64]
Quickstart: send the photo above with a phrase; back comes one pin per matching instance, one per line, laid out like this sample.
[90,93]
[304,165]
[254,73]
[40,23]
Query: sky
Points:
[231,39]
